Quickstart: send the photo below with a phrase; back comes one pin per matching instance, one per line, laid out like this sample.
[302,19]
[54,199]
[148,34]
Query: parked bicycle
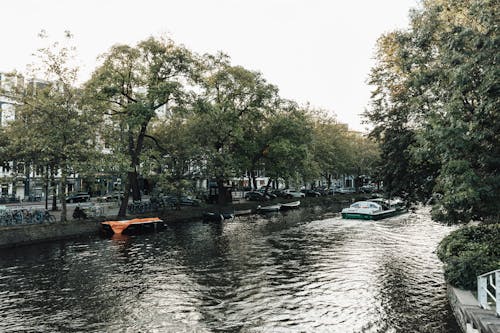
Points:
[139,207]
[94,210]
[18,216]
[42,216]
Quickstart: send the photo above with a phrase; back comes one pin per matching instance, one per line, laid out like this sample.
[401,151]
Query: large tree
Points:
[282,144]
[233,100]
[330,147]
[436,104]
[130,87]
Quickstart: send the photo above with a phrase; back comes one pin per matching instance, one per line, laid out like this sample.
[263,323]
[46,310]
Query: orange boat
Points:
[119,226]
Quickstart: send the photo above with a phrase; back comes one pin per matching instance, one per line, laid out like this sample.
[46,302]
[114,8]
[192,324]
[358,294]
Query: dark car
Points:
[255,196]
[269,194]
[78,197]
[311,193]
[279,193]
[184,200]
[323,190]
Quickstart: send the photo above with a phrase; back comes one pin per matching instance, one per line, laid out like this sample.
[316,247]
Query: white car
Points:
[347,190]
[294,194]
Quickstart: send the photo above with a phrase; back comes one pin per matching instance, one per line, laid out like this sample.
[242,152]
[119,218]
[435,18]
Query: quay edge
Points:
[29,234]
[470,317]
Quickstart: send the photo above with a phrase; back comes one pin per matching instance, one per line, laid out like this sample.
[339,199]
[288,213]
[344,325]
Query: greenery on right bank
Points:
[435,109]
[469,252]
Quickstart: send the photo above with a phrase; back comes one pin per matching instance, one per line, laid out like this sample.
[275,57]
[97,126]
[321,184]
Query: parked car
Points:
[184,200]
[347,190]
[367,189]
[269,193]
[78,197]
[112,196]
[311,193]
[279,193]
[256,196]
[323,190]
[294,194]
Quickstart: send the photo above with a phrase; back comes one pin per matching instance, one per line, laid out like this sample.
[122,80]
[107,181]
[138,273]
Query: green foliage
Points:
[469,252]
[53,129]
[129,88]
[435,108]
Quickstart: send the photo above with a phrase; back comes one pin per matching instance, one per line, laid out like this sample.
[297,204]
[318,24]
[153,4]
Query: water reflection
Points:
[277,273]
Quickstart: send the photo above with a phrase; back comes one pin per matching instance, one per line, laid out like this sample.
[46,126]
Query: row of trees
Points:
[159,110]
[435,108]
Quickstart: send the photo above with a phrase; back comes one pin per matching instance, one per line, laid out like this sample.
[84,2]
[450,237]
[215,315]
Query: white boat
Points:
[268,209]
[290,205]
[375,209]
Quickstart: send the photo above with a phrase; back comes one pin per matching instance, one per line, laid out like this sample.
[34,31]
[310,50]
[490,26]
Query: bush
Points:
[469,252]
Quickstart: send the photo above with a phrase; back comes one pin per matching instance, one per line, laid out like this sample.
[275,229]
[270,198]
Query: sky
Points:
[315,51]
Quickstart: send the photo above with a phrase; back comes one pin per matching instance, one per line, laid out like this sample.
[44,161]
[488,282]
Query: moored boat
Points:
[242,212]
[376,209]
[269,209]
[216,216]
[212,217]
[118,227]
[290,205]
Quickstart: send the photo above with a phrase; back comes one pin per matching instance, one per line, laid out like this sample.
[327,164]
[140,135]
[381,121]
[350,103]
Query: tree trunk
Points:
[134,184]
[223,197]
[54,188]
[267,186]
[62,192]
[254,179]
[46,187]
[122,212]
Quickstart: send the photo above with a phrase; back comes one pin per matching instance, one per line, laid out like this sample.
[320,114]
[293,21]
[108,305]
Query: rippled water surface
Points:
[282,273]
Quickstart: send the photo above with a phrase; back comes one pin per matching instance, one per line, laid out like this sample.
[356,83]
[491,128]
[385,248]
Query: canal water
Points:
[279,273]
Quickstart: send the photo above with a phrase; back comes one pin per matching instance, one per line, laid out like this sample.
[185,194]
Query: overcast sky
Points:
[316,51]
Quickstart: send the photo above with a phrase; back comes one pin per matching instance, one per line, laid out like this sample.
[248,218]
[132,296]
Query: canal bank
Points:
[470,316]
[29,234]
[25,234]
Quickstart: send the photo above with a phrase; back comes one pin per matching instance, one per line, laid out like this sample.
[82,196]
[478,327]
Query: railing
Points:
[488,285]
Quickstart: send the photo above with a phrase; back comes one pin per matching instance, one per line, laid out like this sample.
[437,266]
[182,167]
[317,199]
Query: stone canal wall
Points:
[28,234]
[470,316]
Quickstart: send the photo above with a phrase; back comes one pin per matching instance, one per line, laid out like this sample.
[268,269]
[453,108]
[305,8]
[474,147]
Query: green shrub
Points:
[469,252]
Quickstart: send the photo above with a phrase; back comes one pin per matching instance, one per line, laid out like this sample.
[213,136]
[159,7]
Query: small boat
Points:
[290,205]
[216,217]
[212,217]
[119,227]
[375,209]
[227,216]
[268,209]
[242,212]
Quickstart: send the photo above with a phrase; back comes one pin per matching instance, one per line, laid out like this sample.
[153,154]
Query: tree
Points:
[331,147]
[130,87]
[435,107]
[52,128]
[233,101]
[283,144]
[176,154]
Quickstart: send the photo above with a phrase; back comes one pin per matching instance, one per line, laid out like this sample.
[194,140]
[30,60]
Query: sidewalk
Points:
[109,208]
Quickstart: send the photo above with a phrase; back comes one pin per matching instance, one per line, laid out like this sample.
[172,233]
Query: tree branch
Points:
[155,140]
